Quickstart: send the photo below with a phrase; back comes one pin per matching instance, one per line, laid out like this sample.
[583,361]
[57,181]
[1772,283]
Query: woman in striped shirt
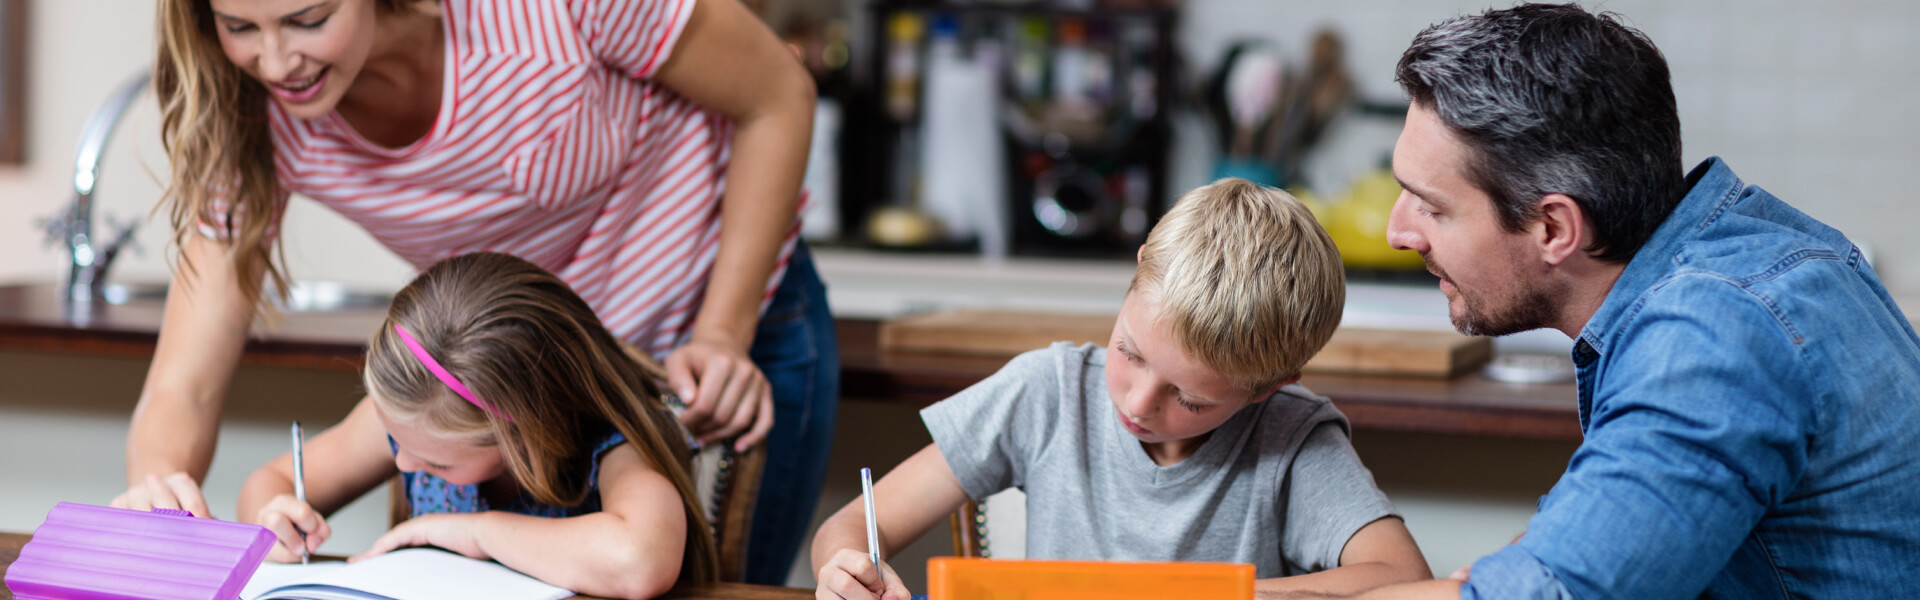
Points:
[649,152]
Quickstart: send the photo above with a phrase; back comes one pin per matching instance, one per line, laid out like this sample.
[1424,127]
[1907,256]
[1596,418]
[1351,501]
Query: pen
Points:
[300,485]
[873,531]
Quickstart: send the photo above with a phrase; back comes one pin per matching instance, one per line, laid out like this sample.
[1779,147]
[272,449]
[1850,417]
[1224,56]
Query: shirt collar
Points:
[1714,187]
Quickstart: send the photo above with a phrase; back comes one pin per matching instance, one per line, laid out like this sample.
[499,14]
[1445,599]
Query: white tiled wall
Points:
[1808,99]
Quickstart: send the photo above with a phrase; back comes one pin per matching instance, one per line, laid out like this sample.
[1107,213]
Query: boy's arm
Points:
[343,463]
[631,549]
[1381,553]
[908,501]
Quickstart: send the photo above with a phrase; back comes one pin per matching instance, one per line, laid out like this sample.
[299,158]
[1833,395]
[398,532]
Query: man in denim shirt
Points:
[1749,394]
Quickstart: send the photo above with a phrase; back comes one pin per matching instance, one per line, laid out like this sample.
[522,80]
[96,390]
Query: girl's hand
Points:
[451,531]
[287,518]
[850,576]
[726,394]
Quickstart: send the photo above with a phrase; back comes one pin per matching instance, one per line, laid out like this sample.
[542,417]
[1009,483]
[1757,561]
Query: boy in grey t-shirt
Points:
[1183,439]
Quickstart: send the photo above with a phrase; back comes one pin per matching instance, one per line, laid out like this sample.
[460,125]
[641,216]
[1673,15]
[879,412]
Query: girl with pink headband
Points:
[525,431]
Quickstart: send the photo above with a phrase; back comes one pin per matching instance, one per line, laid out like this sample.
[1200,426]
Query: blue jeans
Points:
[796,347]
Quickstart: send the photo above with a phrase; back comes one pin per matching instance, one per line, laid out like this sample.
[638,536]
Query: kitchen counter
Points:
[32,320]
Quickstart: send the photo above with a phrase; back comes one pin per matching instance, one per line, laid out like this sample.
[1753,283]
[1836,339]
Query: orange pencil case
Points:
[950,578]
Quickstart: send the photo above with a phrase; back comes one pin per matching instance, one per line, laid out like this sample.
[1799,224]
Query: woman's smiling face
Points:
[306,53]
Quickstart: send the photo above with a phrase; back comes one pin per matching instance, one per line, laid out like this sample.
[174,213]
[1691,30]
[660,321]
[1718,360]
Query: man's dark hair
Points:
[1549,98]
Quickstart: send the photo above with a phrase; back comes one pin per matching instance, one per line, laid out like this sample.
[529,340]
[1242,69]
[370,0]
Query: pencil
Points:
[300,486]
[873,530]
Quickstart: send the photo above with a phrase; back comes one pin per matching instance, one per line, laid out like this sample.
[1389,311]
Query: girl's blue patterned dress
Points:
[430,494]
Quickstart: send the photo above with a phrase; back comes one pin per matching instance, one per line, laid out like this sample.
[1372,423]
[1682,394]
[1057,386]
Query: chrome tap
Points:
[90,259]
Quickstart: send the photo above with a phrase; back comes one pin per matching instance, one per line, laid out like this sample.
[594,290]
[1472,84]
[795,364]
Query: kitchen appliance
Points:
[1080,114]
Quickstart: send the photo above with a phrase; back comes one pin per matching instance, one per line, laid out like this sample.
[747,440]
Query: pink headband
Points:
[445,377]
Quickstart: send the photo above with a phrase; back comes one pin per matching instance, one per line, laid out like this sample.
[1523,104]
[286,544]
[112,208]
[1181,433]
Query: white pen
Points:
[300,485]
[873,531]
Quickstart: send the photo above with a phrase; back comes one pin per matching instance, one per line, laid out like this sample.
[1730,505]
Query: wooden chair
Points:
[967,524]
[972,538]
[728,480]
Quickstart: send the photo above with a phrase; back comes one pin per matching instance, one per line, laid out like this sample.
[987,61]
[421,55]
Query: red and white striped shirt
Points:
[554,144]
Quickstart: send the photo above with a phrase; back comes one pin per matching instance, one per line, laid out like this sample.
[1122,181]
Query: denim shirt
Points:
[1750,400]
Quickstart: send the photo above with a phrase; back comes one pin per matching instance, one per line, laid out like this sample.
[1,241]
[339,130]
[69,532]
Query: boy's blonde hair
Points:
[1246,279]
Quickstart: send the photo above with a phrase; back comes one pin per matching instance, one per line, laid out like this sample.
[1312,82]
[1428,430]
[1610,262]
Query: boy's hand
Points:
[287,518]
[850,576]
[450,531]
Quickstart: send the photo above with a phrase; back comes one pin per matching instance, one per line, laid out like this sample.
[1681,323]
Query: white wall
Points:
[1806,99]
[79,52]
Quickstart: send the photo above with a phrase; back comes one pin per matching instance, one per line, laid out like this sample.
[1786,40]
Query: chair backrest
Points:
[1006,538]
[966,535]
[728,480]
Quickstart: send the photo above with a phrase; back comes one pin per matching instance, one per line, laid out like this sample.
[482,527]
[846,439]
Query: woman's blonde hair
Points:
[556,379]
[213,124]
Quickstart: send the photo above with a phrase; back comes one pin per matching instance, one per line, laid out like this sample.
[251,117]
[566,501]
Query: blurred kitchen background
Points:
[1017,147]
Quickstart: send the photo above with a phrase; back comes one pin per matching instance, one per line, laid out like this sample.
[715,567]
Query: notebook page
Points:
[427,574]
[272,575]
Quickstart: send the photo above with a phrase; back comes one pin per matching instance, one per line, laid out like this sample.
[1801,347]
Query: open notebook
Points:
[412,574]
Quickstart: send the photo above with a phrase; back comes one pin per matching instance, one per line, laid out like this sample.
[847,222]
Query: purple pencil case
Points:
[98,553]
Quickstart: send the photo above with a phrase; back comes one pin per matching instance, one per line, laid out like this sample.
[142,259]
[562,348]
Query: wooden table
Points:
[10,544]
[32,319]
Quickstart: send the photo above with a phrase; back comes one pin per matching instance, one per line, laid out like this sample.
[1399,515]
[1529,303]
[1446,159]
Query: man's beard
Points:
[1529,309]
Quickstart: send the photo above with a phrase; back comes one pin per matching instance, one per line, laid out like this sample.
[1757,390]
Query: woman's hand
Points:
[726,394]
[287,518]
[176,491]
[451,531]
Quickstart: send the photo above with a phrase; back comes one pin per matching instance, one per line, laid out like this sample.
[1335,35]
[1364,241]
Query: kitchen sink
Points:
[303,297]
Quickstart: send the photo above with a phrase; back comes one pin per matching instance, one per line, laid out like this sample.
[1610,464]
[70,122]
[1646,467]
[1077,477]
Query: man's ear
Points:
[1561,229]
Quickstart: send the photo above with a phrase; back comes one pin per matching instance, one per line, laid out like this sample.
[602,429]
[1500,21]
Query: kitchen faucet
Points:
[90,259]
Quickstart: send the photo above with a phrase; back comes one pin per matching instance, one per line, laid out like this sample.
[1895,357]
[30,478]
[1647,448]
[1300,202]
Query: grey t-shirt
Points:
[1277,485]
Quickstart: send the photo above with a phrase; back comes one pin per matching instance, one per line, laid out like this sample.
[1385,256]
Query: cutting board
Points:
[1409,353]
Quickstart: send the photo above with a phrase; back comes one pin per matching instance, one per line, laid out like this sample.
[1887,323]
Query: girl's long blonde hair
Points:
[213,124]
[526,344]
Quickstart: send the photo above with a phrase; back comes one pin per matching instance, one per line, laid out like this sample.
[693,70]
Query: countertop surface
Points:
[878,285]
[32,319]
[866,288]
